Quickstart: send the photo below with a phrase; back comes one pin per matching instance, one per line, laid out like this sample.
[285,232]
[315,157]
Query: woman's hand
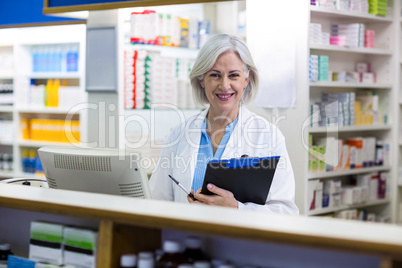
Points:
[221,198]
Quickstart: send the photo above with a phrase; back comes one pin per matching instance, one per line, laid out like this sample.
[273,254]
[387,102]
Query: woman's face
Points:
[224,84]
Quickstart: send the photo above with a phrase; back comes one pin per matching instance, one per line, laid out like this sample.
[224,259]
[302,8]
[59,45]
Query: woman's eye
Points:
[214,75]
[234,75]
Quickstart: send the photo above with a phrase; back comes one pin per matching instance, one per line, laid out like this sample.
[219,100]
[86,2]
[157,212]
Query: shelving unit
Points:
[398,112]
[324,211]
[339,173]
[168,51]
[342,14]
[6,109]
[374,51]
[349,128]
[20,42]
[344,58]
[350,85]
[125,226]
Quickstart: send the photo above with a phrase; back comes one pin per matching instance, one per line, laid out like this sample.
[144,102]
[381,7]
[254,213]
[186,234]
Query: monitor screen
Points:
[97,170]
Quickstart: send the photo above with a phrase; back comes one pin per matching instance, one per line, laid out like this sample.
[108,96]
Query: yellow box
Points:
[25,126]
[76,130]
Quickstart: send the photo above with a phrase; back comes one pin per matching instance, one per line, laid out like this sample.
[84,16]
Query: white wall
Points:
[289,120]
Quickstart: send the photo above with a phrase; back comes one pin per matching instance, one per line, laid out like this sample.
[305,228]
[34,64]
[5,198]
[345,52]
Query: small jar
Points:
[172,257]
[5,250]
[146,263]
[145,254]
[193,251]
[202,264]
[128,261]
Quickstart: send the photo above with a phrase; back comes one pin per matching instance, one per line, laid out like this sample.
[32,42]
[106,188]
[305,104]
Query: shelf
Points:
[13,174]
[159,48]
[47,110]
[6,174]
[6,108]
[350,85]
[44,143]
[342,207]
[339,173]
[55,75]
[6,76]
[343,14]
[29,175]
[373,51]
[349,128]
[181,52]
[7,143]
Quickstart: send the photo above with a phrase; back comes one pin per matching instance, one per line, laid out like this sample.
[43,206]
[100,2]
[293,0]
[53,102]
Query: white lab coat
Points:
[253,136]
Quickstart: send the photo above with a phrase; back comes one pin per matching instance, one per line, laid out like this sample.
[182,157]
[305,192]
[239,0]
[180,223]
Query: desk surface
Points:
[316,232]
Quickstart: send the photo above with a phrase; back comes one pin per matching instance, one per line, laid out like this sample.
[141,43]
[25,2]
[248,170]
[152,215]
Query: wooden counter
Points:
[123,220]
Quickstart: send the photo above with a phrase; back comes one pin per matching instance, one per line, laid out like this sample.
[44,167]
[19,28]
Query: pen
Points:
[184,189]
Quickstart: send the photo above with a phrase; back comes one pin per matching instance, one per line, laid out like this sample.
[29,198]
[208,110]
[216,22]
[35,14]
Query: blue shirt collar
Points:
[228,129]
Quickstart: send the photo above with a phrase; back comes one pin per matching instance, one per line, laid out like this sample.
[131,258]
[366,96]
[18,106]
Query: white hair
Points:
[207,56]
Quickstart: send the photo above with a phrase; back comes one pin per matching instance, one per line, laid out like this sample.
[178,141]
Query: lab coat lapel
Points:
[190,145]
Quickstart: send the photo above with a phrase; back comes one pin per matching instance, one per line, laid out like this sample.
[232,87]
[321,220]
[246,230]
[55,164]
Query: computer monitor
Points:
[107,171]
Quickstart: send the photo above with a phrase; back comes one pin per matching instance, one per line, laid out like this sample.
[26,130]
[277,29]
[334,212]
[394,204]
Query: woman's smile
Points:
[225,96]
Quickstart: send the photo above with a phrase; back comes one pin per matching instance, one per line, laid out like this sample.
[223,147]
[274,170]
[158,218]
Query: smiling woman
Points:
[224,76]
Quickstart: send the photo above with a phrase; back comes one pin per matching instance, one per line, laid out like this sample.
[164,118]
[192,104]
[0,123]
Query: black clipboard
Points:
[249,179]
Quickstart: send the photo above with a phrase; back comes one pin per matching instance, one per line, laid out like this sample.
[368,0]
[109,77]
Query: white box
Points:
[335,200]
[332,187]
[351,195]
[373,188]
[364,193]
[80,247]
[319,189]
[48,233]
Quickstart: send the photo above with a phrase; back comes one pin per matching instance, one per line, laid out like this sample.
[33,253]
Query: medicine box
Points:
[19,262]
[46,242]
[351,195]
[80,247]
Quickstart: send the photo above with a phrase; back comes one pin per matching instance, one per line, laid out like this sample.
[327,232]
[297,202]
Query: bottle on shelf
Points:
[38,167]
[145,254]
[32,161]
[146,259]
[158,254]
[146,263]
[72,59]
[48,90]
[25,161]
[172,257]
[35,59]
[379,153]
[54,99]
[193,250]
[6,162]
[5,250]
[202,264]
[128,261]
